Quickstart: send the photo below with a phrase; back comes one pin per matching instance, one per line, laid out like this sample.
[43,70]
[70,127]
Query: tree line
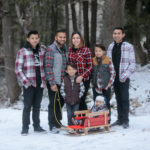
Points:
[95,19]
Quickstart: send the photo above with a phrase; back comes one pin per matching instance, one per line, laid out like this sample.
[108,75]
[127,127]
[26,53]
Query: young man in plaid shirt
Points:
[30,73]
[123,58]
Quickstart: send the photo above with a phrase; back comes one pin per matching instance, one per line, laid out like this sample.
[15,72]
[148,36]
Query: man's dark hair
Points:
[101,46]
[72,65]
[60,30]
[32,32]
[119,28]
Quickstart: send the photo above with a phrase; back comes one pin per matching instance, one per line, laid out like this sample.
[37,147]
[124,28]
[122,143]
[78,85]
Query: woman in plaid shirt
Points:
[82,57]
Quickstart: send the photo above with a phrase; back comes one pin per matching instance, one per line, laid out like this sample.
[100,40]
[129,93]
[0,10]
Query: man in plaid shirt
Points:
[54,65]
[30,73]
[123,58]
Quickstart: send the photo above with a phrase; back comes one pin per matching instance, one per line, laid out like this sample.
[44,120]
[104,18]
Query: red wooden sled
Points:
[92,120]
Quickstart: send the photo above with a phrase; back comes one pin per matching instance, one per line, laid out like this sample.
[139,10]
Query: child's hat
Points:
[100,98]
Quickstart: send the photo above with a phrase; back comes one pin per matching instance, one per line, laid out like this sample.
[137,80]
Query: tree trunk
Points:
[93,24]
[0,26]
[112,17]
[25,15]
[54,23]
[67,21]
[140,54]
[86,22]
[80,18]
[74,16]
[148,40]
[13,88]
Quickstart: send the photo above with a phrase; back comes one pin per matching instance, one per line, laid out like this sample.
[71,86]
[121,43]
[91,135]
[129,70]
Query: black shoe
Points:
[39,129]
[24,132]
[125,125]
[118,122]
[54,129]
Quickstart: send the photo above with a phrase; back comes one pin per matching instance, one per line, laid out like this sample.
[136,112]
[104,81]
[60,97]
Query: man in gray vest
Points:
[55,65]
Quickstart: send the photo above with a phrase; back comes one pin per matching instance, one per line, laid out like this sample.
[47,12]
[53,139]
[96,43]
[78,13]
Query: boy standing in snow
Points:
[30,72]
[103,74]
[71,91]
[123,58]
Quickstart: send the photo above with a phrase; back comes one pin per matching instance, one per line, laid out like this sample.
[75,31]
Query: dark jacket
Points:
[103,73]
[71,91]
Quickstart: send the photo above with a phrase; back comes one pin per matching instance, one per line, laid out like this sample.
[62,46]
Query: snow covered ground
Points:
[137,137]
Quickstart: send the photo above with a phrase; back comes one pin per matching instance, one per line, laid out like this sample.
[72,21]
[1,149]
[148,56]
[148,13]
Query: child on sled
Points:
[99,106]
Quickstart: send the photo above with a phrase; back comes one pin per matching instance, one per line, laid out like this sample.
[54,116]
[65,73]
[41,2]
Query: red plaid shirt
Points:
[83,60]
[25,67]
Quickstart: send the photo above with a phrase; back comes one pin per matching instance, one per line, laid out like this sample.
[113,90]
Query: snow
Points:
[136,137]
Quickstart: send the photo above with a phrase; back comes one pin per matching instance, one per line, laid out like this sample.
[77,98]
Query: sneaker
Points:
[24,132]
[118,122]
[39,129]
[125,125]
[54,130]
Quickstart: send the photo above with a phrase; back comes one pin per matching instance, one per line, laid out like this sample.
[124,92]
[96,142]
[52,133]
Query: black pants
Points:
[32,99]
[107,95]
[52,119]
[83,105]
[122,97]
[70,112]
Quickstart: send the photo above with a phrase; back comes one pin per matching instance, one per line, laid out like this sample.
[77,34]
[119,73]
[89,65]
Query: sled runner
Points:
[92,121]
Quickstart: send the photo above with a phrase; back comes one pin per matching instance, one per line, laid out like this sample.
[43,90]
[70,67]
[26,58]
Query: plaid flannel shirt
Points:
[83,60]
[55,64]
[25,67]
[127,62]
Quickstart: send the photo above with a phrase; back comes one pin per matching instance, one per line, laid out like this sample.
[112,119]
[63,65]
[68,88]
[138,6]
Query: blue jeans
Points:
[70,112]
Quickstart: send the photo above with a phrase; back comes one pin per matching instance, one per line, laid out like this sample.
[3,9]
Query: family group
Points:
[68,72]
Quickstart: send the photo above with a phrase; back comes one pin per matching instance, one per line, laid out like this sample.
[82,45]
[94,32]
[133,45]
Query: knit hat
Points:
[100,98]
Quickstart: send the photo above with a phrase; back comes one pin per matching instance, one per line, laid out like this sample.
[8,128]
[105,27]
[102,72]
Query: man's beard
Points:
[59,43]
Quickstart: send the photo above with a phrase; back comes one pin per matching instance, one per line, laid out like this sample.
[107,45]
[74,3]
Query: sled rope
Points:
[58,99]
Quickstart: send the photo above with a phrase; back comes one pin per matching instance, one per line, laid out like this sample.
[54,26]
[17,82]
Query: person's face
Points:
[98,103]
[71,71]
[118,35]
[33,40]
[99,52]
[60,38]
[76,40]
